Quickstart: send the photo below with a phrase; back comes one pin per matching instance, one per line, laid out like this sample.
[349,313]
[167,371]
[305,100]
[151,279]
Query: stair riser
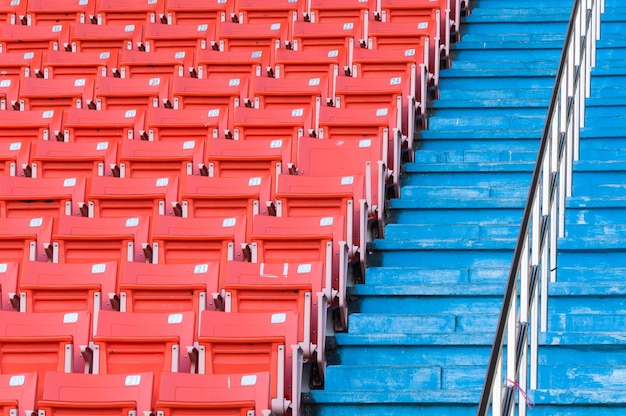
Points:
[439,216]
[438,258]
[377,409]
[464,179]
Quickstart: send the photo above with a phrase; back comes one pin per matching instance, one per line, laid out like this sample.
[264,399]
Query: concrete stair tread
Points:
[446,244]
[452,167]
[458,202]
[579,396]
[473,156]
[487,134]
[457,289]
[423,277]
[492,102]
[469,396]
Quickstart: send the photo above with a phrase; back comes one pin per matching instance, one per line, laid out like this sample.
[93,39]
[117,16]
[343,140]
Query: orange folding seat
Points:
[53,287]
[110,125]
[320,158]
[25,239]
[151,159]
[18,394]
[276,93]
[59,64]
[8,284]
[259,11]
[257,37]
[222,394]
[52,12]
[43,342]
[327,36]
[214,64]
[391,92]
[18,38]
[118,197]
[129,93]
[329,11]
[12,11]
[174,38]
[9,92]
[137,64]
[307,196]
[50,94]
[104,38]
[52,159]
[204,196]
[94,395]
[268,287]
[30,125]
[35,197]
[253,342]
[81,240]
[14,157]
[165,125]
[20,64]
[235,158]
[147,287]
[141,342]
[276,124]
[124,12]
[194,12]
[178,240]
[304,239]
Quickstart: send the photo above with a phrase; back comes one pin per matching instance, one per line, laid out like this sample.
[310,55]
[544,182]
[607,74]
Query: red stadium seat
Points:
[9,91]
[116,197]
[330,11]
[58,64]
[20,64]
[124,12]
[151,159]
[327,36]
[142,342]
[12,11]
[276,93]
[178,240]
[51,94]
[43,342]
[146,287]
[52,287]
[8,285]
[137,64]
[52,159]
[52,12]
[18,38]
[95,395]
[110,125]
[29,125]
[193,124]
[14,157]
[104,38]
[18,394]
[259,11]
[127,93]
[81,240]
[25,239]
[222,394]
[193,12]
[251,342]
[305,239]
[181,37]
[228,65]
[36,197]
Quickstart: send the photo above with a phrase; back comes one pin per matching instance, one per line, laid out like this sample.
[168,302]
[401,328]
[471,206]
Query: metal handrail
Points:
[534,259]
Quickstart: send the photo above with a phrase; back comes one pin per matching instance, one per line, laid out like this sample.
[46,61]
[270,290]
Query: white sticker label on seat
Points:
[69,182]
[132,222]
[214,113]
[70,318]
[48,114]
[83,2]
[203,28]
[79,82]
[98,268]
[256,54]
[179,55]
[395,81]
[15,2]
[152,1]
[347,180]
[175,318]
[17,380]
[422,25]
[105,55]
[276,144]
[248,380]
[15,146]
[304,268]
[365,143]
[348,26]
[36,222]
[3,267]
[381,112]
[234,82]
[409,52]
[154,82]
[297,112]
[189,145]
[57,28]
[5,83]
[129,28]
[29,55]
[200,268]
[162,181]
[229,222]
[130,113]
[254,182]
[314,81]
[275,26]
[278,318]
[326,221]
[132,380]
[333,53]
[102,146]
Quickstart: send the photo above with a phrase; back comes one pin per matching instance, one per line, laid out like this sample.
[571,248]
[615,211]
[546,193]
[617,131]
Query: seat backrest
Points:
[9,92]
[275,93]
[328,36]
[18,393]
[128,93]
[29,125]
[47,94]
[8,284]
[85,37]
[233,394]
[189,93]
[192,12]
[124,12]
[20,38]
[179,37]
[328,11]
[253,37]
[156,159]
[91,64]
[22,63]
[201,124]
[101,394]
[215,64]
[52,159]
[259,11]
[11,12]
[50,12]
[88,125]
[138,64]
[14,157]
[25,239]
[35,197]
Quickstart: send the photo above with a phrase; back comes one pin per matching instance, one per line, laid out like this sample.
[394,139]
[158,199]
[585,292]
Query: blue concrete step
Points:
[465,156]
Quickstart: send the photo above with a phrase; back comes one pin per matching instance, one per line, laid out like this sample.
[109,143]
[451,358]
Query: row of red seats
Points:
[86,394]
[122,343]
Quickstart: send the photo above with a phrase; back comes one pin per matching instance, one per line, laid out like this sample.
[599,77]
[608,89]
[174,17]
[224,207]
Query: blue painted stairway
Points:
[421,327]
